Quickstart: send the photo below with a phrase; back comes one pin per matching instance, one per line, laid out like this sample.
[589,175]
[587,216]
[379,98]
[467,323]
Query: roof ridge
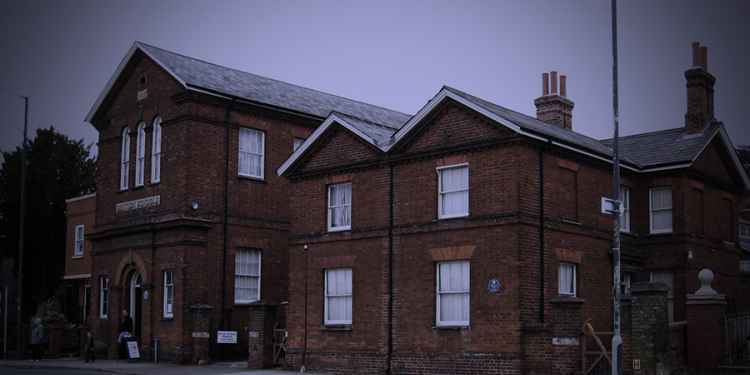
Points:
[643,134]
[364,120]
[269,78]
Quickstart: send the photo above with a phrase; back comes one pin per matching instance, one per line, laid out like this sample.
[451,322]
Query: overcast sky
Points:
[394,54]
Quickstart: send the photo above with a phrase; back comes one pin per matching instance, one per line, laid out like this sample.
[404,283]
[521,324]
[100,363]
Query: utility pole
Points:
[21,218]
[616,338]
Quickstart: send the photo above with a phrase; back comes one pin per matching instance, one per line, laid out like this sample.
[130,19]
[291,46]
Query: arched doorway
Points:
[134,301]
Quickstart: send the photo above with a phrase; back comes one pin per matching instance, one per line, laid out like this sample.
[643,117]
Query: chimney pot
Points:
[554,82]
[545,84]
[562,85]
[700,91]
[704,57]
[696,59]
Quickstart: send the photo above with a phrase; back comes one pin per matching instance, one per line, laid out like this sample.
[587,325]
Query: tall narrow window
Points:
[247,276]
[124,159]
[251,153]
[156,151]
[140,161]
[168,294]
[453,294]
[103,296]
[338,296]
[661,210]
[567,279]
[625,214]
[339,207]
[453,191]
[78,246]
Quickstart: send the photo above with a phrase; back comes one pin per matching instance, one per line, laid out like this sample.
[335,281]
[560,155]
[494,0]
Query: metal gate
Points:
[737,336]
[594,351]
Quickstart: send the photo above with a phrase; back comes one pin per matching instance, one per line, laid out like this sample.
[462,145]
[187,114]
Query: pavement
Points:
[55,366]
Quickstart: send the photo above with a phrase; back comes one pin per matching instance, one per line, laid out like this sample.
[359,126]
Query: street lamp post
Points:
[616,337]
[21,219]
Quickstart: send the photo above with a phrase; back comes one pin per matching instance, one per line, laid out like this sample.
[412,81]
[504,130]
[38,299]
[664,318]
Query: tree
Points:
[58,168]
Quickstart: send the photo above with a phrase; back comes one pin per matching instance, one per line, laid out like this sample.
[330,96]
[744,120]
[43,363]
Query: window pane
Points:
[454,307]
[338,290]
[662,220]
[339,203]
[567,279]
[453,179]
[661,198]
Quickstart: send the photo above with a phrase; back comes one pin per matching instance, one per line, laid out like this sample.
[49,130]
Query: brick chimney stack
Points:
[554,107]
[700,91]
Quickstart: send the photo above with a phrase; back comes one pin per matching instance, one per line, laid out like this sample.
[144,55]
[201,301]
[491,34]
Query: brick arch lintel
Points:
[130,262]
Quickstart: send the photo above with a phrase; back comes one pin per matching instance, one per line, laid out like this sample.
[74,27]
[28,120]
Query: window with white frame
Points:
[743,234]
[78,245]
[168,294]
[453,191]
[251,153]
[297,143]
[339,207]
[661,210]
[338,296]
[124,159]
[103,296]
[566,285]
[453,293]
[247,276]
[156,151]
[666,278]
[140,154]
[625,209]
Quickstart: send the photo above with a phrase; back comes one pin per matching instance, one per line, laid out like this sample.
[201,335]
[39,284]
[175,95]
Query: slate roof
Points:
[204,75]
[382,135]
[671,146]
[533,125]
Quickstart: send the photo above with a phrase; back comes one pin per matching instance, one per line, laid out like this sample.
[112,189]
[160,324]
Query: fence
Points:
[737,336]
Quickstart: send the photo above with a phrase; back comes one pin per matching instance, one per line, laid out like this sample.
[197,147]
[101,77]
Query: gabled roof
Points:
[671,146]
[202,76]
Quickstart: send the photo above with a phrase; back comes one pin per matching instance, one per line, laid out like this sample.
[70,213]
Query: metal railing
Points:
[737,336]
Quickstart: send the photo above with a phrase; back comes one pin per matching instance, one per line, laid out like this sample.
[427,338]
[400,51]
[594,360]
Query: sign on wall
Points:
[138,204]
[494,285]
[226,337]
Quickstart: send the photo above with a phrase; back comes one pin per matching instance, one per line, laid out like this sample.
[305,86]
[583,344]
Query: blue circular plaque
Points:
[494,286]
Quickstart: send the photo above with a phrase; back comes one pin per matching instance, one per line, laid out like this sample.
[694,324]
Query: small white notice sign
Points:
[565,341]
[133,352]
[226,337]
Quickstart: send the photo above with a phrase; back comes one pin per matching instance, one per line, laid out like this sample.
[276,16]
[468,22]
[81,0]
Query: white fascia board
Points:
[79,198]
[135,47]
[667,168]
[332,119]
[77,277]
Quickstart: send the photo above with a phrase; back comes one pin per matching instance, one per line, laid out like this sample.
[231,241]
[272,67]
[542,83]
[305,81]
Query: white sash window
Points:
[338,296]
[247,276]
[453,293]
[168,294]
[78,245]
[661,210]
[453,191]
[156,151]
[252,146]
[625,213]
[339,207]
[567,279]
[103,297]
[124,159]
[140,161]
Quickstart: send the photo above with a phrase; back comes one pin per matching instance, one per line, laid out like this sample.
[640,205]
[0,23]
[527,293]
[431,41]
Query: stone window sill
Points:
[567,299]
[451,328]
[337,328]
[258,180]
[571,221]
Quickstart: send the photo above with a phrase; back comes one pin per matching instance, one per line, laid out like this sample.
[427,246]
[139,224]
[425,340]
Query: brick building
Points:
[466,238]
[469,239]
[80,214]
[191,223]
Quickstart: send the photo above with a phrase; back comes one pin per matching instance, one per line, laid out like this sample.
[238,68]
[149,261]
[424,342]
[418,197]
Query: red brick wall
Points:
[79,212]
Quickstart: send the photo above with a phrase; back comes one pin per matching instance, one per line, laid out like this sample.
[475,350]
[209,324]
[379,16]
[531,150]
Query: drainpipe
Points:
[541,233]
[225,228]
[390,268]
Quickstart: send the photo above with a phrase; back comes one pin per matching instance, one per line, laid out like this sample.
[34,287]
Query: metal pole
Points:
[21,219]
[616,338]
[5,323]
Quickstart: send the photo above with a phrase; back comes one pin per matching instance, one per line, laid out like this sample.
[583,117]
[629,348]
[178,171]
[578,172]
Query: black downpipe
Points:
[390,269]
[541,234]
[226,214]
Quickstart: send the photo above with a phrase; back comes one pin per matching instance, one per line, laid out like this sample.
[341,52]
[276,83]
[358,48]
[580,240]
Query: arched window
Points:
[156,151]
[140,161]
[124,159]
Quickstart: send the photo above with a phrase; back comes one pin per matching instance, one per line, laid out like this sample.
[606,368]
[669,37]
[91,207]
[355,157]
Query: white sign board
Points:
[609,206]
[565,341]
[133,351]
[137,204]
[226,337]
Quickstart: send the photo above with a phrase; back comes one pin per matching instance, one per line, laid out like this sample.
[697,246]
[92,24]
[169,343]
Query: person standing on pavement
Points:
[37,338]
[88,347]
[126,330]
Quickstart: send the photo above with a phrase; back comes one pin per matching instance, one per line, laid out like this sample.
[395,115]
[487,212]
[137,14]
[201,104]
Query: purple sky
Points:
[394,54]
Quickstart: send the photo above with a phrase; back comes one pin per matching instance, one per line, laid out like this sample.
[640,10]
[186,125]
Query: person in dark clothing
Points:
[37,339]
[88,347]
[126,330]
